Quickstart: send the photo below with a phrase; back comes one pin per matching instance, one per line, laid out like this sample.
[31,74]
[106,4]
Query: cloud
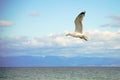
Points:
[34,14]
[114,17]
[100,44]
[115,21]
[4,23]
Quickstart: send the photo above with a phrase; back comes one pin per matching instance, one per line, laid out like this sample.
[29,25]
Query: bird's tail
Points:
[85,37]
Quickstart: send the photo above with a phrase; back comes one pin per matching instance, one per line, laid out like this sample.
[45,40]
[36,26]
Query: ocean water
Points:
[60,73]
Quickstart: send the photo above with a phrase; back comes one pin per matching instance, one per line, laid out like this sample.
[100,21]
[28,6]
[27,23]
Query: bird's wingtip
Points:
[83,12]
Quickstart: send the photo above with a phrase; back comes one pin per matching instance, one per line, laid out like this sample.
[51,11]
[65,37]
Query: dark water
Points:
[61,73]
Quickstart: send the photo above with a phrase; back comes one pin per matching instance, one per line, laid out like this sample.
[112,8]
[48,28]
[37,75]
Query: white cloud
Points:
[115,21]
[4,23]
[34,14]
[101,44]
[114,17]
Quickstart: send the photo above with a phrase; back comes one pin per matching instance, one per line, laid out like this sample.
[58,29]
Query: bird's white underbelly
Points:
[76,34]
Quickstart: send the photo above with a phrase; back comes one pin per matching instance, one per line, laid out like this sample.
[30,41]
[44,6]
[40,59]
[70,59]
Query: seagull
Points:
[79,28]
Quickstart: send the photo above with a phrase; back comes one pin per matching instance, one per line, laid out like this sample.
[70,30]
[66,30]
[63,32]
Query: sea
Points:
[60,73]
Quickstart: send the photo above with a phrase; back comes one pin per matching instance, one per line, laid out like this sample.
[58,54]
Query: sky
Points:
[38,27]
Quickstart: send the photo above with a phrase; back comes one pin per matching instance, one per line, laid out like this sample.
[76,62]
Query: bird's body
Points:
[79,28]
[75,34]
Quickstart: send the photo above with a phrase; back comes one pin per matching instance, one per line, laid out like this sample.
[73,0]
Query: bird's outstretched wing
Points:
[78,23]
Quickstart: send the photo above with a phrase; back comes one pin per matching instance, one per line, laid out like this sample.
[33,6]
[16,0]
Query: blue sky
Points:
[38,27]
[53,16]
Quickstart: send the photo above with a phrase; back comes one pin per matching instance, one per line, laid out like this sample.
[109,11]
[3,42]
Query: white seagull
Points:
[79,27]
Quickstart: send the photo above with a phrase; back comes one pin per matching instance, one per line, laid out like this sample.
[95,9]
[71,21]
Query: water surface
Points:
[60,73]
